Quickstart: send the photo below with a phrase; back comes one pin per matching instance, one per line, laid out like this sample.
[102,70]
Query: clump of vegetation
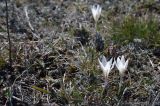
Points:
[82,35]
[130,28]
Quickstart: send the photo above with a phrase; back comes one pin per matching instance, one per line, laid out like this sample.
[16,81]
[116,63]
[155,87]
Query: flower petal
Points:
[93,9]
[122,59]
[113,64]
[126,64]
[118,62]
[101,65]
[104,61]
[96,11]
[99,9]
[108,66]
[110,62]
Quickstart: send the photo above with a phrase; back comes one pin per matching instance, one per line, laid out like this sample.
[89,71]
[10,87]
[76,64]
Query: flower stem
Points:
[105,88]
[96,27]
[120,84]
[106,81]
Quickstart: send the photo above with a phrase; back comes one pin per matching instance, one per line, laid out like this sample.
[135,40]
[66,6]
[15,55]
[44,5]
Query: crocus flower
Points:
[96,11]
[106,66]
[121,64]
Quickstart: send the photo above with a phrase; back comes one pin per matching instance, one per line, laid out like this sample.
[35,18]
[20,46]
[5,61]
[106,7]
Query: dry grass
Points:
[57,62]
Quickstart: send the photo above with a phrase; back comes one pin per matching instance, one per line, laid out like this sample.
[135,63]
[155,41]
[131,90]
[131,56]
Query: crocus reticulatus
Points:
[121,64]
[96,11]
[106,66]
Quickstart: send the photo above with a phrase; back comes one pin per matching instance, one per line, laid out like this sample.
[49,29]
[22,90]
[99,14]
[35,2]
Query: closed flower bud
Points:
[96,11]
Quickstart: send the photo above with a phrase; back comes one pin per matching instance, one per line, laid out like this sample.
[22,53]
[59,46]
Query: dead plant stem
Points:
[9,40]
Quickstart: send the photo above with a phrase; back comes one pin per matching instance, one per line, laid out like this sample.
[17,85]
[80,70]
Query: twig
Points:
[18,99]
[48,94]
[26,13]
[28,20]
[10,45]
[9,40]
[153,104]
[20,75]
[20,89]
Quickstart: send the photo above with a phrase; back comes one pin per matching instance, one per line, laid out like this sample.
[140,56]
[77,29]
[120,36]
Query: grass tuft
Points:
[130,28]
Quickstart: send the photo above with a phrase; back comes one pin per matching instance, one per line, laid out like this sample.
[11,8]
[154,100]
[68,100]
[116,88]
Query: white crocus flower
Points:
[121,64]
[106,66]
[96,11]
